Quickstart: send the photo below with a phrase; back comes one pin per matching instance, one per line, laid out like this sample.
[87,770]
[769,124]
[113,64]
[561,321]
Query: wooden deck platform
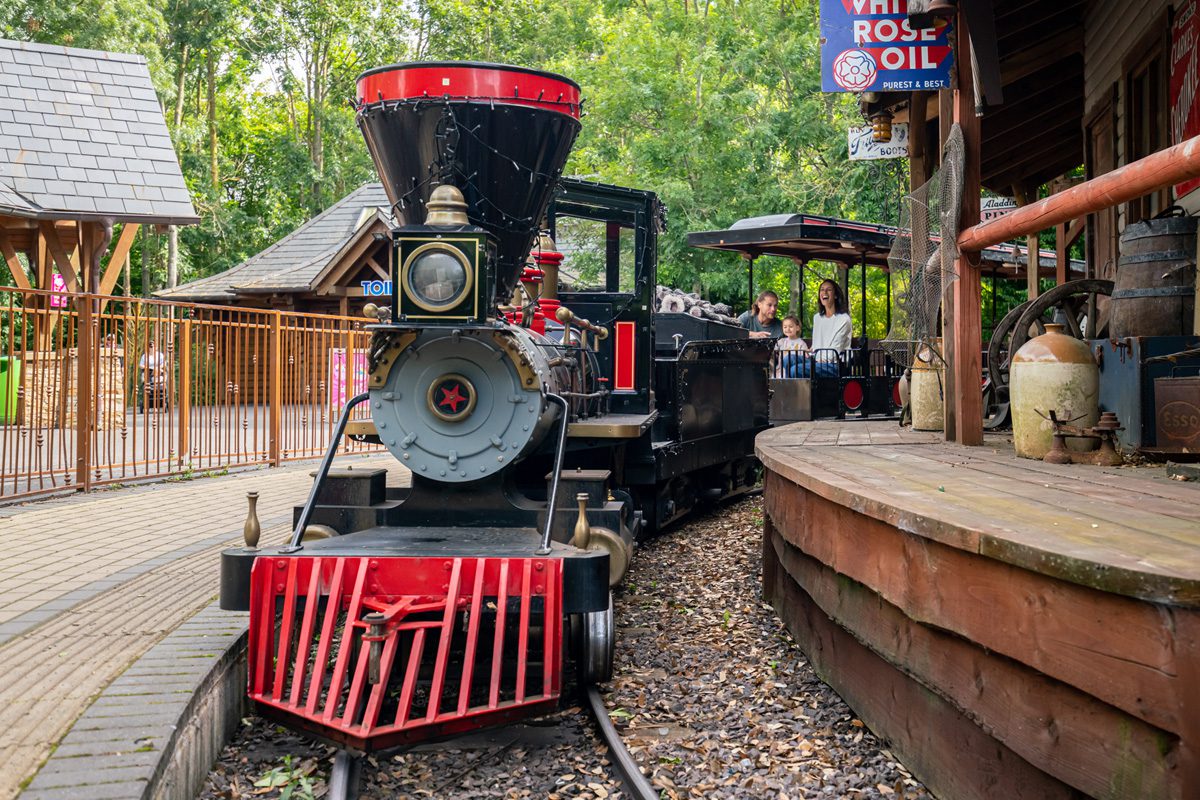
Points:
[1016,629]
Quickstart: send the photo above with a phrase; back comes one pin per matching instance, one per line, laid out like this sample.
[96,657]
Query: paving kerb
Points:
[75,646]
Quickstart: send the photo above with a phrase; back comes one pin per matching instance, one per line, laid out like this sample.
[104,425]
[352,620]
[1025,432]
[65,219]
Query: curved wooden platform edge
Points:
[1150,556]
[989,677]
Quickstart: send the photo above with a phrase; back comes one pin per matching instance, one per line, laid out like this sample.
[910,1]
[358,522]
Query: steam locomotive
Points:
[546,431]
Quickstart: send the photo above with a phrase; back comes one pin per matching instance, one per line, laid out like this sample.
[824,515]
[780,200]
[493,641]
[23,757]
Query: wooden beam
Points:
[1052,16]
[1164,168]
[985,58]
[1042,104]
[1075,230]
[380,271]
[117,259]
[49,234]
[14,263]
[1018,157]
[967,333]
[1048,52]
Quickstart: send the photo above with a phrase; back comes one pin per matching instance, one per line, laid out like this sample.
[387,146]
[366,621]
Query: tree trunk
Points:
[212,120]
[181,87]
[172,256]
[316,147]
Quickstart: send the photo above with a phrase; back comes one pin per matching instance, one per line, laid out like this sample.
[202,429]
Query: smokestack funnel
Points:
[500,134]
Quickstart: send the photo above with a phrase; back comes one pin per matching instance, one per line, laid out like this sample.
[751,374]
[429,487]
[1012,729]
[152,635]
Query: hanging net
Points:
[922,258]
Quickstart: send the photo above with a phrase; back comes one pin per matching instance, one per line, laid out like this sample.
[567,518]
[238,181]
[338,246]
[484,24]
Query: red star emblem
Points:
[451,398]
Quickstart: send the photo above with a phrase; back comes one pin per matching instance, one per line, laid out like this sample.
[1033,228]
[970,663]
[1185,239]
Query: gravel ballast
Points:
[712,696]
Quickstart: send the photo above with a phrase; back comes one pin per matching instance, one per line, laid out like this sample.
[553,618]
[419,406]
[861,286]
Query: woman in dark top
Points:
[760,320]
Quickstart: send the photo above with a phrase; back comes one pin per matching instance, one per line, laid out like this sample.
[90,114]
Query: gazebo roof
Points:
[812,237]
[298,261]
[82,137]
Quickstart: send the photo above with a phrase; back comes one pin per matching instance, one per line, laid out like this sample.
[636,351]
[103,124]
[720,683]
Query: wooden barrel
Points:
[1154,293]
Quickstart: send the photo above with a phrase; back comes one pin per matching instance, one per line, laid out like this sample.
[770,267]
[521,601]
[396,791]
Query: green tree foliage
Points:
[714,104]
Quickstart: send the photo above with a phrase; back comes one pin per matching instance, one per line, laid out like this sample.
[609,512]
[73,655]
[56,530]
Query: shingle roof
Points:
[294,263]
[82,136]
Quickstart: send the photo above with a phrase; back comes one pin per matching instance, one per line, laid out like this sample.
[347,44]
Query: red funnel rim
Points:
[464,80]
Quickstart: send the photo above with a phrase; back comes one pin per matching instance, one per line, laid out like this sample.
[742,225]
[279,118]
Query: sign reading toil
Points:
[869,45]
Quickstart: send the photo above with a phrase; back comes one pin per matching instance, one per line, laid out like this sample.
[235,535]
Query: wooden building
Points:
[1014,628]
[319,267]
[85,161]
[84,149]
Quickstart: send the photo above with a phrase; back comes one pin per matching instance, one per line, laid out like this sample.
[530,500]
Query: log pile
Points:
[673,301]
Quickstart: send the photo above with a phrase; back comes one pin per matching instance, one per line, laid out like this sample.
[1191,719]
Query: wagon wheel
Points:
[997,357]
[995,390]
[1072,299]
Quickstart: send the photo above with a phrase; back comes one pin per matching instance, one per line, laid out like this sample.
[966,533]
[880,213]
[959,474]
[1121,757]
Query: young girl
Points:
[788,349]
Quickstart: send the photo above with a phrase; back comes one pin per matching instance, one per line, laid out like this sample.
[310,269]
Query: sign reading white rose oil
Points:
[869,45]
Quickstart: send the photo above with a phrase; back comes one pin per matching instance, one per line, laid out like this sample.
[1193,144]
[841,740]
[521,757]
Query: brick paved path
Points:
[90,583]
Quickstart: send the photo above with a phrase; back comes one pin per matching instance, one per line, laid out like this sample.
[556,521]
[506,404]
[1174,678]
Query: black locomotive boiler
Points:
[545,430]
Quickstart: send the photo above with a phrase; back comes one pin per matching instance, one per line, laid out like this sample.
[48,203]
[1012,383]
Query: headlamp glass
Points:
[437,277]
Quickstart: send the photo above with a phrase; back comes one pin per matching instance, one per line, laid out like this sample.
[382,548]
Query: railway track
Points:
[346,776]
[705,723]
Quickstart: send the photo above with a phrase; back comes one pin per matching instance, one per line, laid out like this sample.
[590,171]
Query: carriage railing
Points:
[105,389]
[861,381]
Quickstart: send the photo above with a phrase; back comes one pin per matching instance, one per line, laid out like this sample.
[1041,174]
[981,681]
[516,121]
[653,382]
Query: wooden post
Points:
[946,120]
[348,374]
[1062,264]
[795,281]
[185,392]
[968,399]
[275,390]
[1026,195]
[918,153]
[84,408]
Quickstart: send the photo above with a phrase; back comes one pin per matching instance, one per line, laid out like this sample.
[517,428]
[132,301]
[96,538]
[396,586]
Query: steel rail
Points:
[638,786]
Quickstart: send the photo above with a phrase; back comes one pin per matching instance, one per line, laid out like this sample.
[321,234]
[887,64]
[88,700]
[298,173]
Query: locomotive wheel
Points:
[598,638]
[345,776]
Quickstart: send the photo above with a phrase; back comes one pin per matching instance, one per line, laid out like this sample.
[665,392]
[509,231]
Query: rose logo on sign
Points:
[854,70]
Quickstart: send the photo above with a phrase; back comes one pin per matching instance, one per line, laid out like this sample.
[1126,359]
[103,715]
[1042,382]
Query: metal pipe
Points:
[322,472]
[1163,168]
[888,325]
[863,314]
[558,459]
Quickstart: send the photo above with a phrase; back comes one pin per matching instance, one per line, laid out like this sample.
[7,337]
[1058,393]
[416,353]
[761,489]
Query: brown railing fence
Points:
[98,390]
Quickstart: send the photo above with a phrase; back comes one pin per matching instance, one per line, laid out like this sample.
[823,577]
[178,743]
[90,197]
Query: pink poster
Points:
[57,284]
[337,375]
[1185,117]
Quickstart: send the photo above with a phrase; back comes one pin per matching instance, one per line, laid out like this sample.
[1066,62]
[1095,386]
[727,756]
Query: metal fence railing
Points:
[98,390]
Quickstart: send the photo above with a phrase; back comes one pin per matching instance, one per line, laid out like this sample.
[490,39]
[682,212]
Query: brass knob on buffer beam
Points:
[252,530]
[583,531]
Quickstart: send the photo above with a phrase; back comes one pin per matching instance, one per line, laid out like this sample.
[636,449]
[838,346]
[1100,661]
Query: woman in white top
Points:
[831,327]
